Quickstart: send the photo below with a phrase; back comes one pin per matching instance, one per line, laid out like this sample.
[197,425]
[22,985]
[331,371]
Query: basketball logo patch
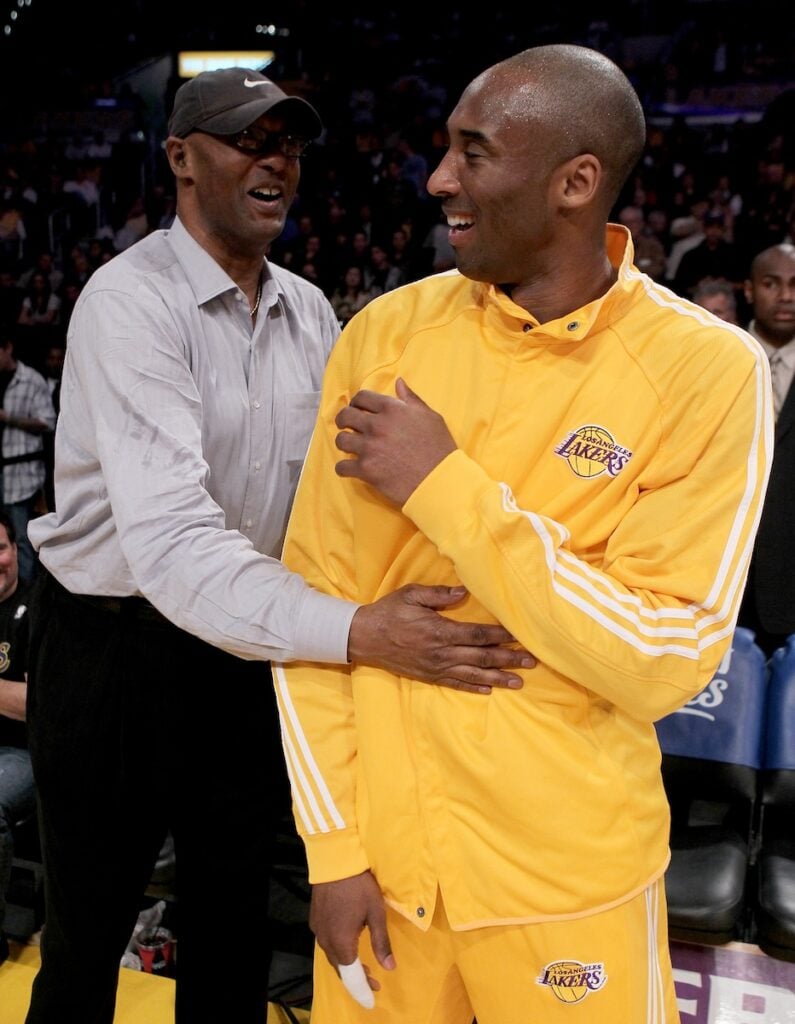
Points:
[571,981]
[592,450]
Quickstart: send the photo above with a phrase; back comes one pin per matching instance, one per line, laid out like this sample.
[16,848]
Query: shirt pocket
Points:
[300,412]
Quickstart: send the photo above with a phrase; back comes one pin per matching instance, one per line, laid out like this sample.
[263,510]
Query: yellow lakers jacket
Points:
[602,506]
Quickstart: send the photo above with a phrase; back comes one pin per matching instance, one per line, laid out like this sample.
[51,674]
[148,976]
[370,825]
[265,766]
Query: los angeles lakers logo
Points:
[571,981]
[592,450]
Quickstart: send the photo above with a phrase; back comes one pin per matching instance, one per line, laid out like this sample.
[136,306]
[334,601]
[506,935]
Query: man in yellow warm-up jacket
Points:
[587,453]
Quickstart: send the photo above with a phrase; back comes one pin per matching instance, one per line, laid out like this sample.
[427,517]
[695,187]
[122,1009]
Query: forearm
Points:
[318,732]
[624,628]
[13,696]
[209,581]
[29,424]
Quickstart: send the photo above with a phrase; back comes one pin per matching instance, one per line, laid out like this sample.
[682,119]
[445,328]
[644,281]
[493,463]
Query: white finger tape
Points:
[355,980]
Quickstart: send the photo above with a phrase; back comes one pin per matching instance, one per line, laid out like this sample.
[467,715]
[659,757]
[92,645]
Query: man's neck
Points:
[761,335]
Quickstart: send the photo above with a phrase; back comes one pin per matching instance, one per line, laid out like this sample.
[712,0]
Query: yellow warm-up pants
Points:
[608,968]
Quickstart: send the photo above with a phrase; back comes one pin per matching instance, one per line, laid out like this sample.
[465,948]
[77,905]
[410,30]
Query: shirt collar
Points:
[787,352]
[206,277]
[578,324]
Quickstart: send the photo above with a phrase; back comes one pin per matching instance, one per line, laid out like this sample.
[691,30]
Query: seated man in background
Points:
[26,415]
[17,790]
[718,297]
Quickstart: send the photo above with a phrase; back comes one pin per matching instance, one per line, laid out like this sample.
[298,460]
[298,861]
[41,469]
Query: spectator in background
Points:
[99,148]
[83,183]
[293,252]
[41,305]
[17,788]
[768,606]
[380,274]
[713,258]
[649,251]
[441,255]
[70,293]
[686,233]
[134,226]
[359,250]
[78,267]
[394,197]
[790,232]
[658,226]
[163,210]
[11,297]
[13,233]
[719,298]
[351,294]
[413,165]
[45,263]
[26,413]
[766,207]
[82,188]
[53,372]
[315,262]
[412,261]
[100,250]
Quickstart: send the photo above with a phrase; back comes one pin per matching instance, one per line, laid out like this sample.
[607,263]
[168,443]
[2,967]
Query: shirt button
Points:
[241,297]
[255,405]
[527,327]
[249,524]
[257,465]
[420,911]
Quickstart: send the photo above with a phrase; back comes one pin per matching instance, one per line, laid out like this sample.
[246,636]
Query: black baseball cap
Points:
[227,101]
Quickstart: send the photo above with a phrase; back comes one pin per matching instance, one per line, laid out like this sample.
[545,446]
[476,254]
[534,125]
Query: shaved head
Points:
[582,97]
[776,256]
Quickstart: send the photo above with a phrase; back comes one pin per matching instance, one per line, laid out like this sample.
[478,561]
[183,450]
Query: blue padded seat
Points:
[711,757]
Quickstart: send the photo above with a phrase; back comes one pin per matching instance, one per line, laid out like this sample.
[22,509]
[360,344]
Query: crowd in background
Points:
[704,200]
[710,193]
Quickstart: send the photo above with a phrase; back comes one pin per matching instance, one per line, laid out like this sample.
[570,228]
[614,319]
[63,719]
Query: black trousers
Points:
[137,727]
[749,618]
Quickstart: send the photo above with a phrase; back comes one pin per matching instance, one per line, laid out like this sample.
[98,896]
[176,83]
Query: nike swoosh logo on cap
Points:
[250,84]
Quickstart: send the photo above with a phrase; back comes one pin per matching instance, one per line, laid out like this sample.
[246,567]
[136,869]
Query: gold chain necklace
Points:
[255,307]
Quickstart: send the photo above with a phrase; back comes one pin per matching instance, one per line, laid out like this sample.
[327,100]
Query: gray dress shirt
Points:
[181,436]
[782,366]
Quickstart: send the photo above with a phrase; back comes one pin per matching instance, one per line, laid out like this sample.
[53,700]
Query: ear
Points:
[748,291]
[178,156]
[578,181]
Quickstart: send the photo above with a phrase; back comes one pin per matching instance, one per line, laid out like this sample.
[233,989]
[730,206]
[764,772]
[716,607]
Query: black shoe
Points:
[3,948]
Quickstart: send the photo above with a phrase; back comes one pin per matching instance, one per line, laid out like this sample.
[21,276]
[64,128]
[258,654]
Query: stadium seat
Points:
[711,759]
[775,882]
[25,895]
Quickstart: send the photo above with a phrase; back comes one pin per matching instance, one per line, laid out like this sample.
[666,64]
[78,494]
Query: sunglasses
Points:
[255,142]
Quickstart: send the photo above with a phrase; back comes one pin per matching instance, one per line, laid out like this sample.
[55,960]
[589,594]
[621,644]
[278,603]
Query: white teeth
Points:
[267,193]
[458,222]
